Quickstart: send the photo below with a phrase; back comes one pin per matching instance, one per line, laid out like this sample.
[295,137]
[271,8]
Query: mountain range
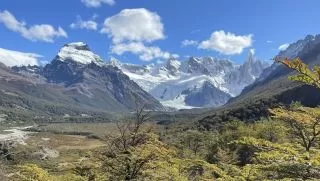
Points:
[195,83]
[79,81]
[92,83]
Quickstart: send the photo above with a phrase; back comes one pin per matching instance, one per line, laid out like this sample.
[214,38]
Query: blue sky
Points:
[221,28]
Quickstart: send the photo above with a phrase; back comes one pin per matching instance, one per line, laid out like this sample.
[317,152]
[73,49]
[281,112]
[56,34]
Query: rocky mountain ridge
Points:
[84,77]
[174,83]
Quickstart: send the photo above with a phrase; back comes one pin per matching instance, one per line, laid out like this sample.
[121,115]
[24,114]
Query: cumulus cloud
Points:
[185,43]
[269,41]
[81,24]
[227,43]
[43,32]
[132,29]
[145,53]
[283,47]
[14,58]
[134,25]
[97,3]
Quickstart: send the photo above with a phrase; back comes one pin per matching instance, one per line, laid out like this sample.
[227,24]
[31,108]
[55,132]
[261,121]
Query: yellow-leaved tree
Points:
[304,121]
[305,74]
[298,158]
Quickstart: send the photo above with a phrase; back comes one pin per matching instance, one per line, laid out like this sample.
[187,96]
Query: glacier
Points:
[174,83]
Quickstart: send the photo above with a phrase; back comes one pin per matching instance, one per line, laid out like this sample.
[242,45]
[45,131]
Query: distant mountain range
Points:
[196,82]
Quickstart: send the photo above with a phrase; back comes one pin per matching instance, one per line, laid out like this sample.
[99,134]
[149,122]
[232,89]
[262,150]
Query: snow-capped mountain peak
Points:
[173,66]
[295,48]
[251,57]
[78,52]
[115,62]
[194,82]
[78,45]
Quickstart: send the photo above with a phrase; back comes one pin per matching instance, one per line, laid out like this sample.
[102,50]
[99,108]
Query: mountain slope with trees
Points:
[272,89]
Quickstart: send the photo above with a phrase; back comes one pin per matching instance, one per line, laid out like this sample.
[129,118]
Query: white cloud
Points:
[189,43]
[145,53]
[227,43]
[130,29]
[97,3]
[14,58]
[81,24]
[283,47]
[134,25]
[43,32]
[269,41]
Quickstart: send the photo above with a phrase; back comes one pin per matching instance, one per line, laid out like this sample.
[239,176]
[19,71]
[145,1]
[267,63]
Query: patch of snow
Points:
[80,53]
[178,103]
[47,153]
[15,134]
[85,115]
[45,139]
[66,116]
[77,44]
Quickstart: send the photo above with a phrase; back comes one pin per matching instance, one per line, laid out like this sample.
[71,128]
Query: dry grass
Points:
[63,142]
[98,129]
[84,129]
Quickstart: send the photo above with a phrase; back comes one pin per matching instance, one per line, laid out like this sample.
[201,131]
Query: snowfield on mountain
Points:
[184,84]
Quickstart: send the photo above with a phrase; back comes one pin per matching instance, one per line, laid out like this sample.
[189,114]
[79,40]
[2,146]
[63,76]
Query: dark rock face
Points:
[28,69]
[248,72]
[207,96]
[63,72]
[194,66]
[104,79]
[126,91]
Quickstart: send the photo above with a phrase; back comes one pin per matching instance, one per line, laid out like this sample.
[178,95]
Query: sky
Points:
[146,31]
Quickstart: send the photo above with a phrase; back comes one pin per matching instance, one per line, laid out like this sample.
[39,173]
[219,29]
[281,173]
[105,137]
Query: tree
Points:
[304,123]
[193,140]
[282,161]
[120,160]
[305,75]
[5,150]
